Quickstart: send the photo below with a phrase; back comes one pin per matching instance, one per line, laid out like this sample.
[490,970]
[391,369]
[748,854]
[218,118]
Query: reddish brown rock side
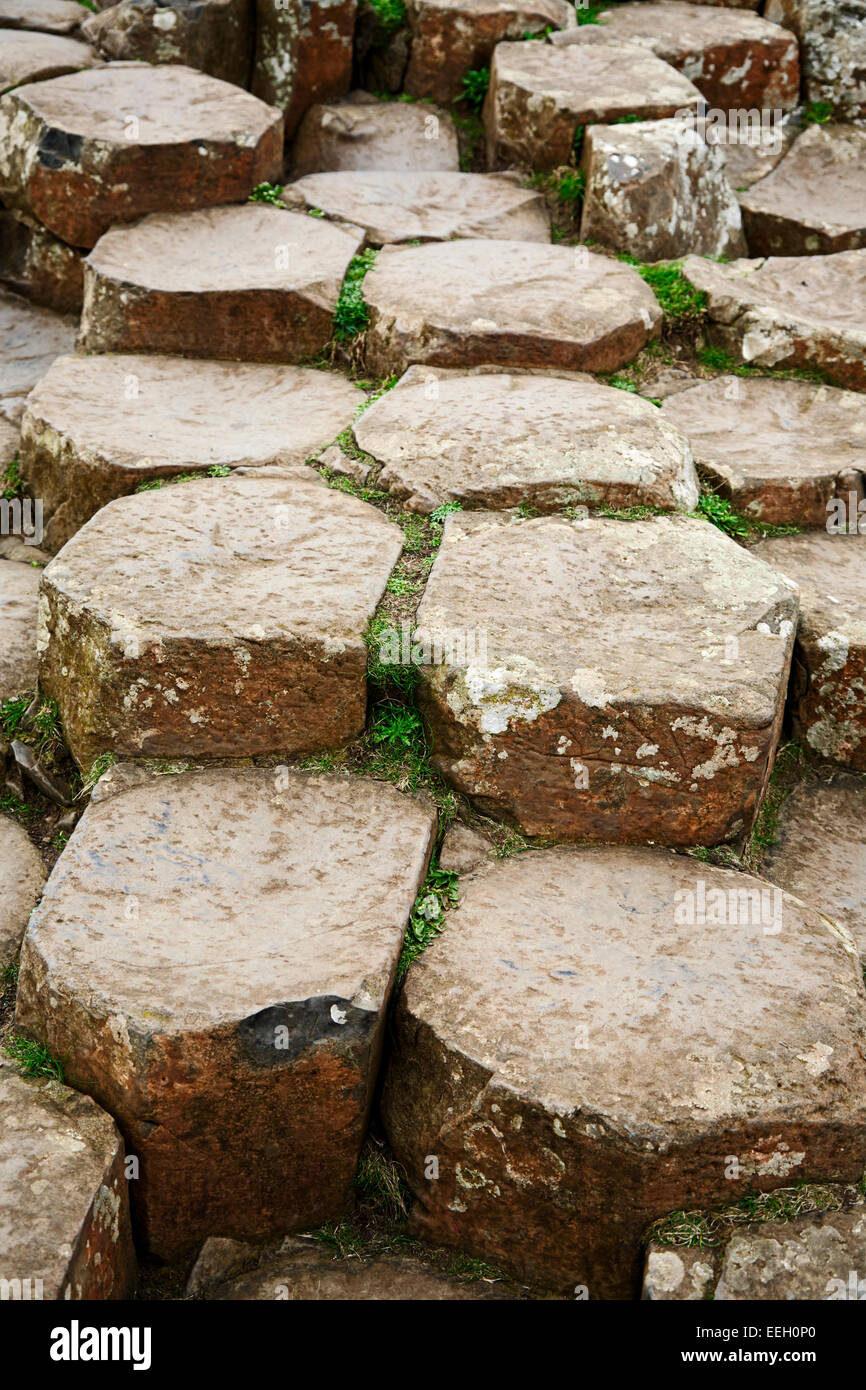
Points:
[40,266]
[303,54]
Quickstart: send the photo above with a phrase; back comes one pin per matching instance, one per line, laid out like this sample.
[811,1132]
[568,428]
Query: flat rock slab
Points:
[216,618]
[302,1271]
[583,1046]
[231,1014]
[40,266]
[779,450]
[97,427]
[464,303]
[48,16]
[828,692]
[28,56]
[85,151]
[214,36]
[809,1259]
[605,680]
[252,282]
[833,49]
[497,439]
[539,96]
[19,591]
[658,190]
[449,38]
[790,311]
[376,135]
[735,60]
[303,53]
[814,201]
[64,1197]
[23,875]
[820,852]
[394,207]
[30,339]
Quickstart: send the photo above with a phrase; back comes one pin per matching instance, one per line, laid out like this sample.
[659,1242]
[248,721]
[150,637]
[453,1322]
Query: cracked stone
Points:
[465,303]
[252,282]
[363,133]
[23,875]
[451,37]
[828,688]
[64,1198]
[221,618]
[228,1013]
[83,152]
[303,53]
[790,311]
[394,206]
[736,60]
[814,201]
[820,852]
[780,451]
[96,428]
[575,1081]
[213,36]
[658,190]
[604,681]
[540,95]
[496,439]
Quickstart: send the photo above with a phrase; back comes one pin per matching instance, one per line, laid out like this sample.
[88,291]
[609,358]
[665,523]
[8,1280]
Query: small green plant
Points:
[34,1058]
[704,1229]
[570,186]
[719,511]
[715,359]
[9,974]
[678,298]
[380,1184]
[381,639]
[267,193]
[351,315]
[89,5]
[622,383]
[474,86]
[626,120]
[818,113]
[99,766]
[438,515]
[390,16]
[397,726]
[542,33]
[12,485]
[216,470]
[12,714]
[427,918]
[587,14]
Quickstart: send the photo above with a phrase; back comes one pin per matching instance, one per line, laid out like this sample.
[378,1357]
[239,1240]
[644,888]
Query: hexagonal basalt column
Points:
[602,1036]
[216,618]
[605,680]
[213,959]
[108,145]
[252,283]
[96,428]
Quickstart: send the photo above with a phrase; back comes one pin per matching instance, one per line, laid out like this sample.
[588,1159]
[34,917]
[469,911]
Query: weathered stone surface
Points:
[30,339]
[251,282]
[539,96]
[19,590]
[735,60]
[463,303]
[301,1270]
[820,852]
[450,37]
[215,36]
[464,849]
[363,133]
[658,190]
[232,1020]
[632,678]
[64,1197]
[303,53]
[833,47]
[38,265]
[494,439]
[828,689]
[49,16]
[22,874]
[779,450]
[581,1058]
[751,155]
[10,442]
[85,151]
[790,311]
[815,198]
[686,1273]
[809,1259]
[269,657]
[97,427]
[394,206]
[27,56]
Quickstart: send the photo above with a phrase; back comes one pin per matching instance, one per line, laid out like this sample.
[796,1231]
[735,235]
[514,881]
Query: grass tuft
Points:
[427,918]
[474,84]
[268,193]
[34,1058]
[679,299]
[351,315]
